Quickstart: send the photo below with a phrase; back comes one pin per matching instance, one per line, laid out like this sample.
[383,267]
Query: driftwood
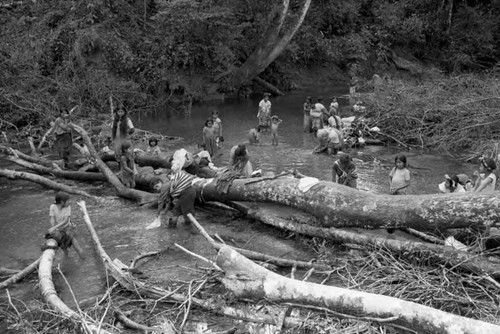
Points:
[29,158]
[441,254]
[49,293]
[336,205]
[121,274]
[43,181]
[18,276]
[248,280]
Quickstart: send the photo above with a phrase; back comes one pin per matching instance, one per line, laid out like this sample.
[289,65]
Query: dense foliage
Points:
[54,54]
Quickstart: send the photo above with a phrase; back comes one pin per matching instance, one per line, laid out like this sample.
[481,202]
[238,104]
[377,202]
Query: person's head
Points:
[345,159]
[320,99]
[209,122]
[156,184]
[215,114]
[64,113]
[451,182]
[153,142]
[488,165]
[334,99]
[126,147]
[62,198]
[400,161]
[309,99]
[241,150]
[274,118]
[267,96]
[120,110]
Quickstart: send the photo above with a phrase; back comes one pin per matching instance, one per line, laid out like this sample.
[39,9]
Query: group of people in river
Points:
[177,194]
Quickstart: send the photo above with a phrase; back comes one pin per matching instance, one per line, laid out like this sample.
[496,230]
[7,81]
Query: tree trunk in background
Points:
[284,24]
[249,280]
[336,205]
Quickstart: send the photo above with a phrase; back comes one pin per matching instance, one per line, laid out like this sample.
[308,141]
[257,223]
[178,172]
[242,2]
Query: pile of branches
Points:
[449,114]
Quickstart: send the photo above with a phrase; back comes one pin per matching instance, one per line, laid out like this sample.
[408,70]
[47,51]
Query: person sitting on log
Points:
[153,148]
[60,220]
[64,138]
[177,195]
[127,165]
[122,128]
[344,171]
[239,161]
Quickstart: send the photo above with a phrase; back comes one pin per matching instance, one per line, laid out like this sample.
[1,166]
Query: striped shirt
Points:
[180,182]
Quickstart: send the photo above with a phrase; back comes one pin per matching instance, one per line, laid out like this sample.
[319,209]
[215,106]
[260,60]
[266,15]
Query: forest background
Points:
[439,59]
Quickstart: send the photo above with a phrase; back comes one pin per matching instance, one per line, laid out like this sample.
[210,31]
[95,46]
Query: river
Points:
[121,224]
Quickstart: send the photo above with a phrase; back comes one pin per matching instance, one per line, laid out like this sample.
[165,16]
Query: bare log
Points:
[336,205]
[246,279]
[49,293]
[139,196]
[18,276]
[72,175]
[142,160]
[441,254]
[121,274]
[43,181]
[12,151]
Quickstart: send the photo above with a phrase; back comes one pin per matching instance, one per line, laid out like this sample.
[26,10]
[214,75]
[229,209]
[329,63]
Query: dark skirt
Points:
[185,203]
[64,239]
[63,144]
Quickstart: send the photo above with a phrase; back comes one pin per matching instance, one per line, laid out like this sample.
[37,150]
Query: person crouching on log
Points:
[239,161]
[177,195]
[122,128]
[60,220]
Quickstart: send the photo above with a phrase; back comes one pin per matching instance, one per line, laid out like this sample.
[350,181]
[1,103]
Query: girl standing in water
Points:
[210,137]
[399,177]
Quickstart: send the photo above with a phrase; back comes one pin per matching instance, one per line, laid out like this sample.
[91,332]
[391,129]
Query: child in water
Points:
[60,220]
[127,166]
[344,171]
[254,135]
[210,137]
[153,147]
[485,179]
[275,122]
[399,177]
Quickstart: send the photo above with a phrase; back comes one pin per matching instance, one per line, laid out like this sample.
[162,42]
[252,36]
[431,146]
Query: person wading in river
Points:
[308,105]
[177,195]
[60,220]
[264,114]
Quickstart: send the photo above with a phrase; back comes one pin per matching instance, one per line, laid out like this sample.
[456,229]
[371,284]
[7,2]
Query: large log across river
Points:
[336,205]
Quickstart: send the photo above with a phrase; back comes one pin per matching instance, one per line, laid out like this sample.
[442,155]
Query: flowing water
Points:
[121,224]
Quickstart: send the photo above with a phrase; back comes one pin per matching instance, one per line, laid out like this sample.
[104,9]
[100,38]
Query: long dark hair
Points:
[122,120]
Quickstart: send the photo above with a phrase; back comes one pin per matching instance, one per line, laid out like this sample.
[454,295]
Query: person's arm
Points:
[65,222]
[407,181]
[482,185]
[130,126]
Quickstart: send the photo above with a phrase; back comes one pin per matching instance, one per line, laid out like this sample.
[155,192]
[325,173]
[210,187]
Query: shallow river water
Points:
[121,224]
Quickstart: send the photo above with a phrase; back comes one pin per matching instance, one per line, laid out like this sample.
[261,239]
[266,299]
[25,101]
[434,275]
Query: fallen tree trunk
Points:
[43,181]
[18,276]
[141,160]
[248,280]
[72,175]
[431,252]
[141,197]
[19,154]
[336,205]
[49,293]
[121,274]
